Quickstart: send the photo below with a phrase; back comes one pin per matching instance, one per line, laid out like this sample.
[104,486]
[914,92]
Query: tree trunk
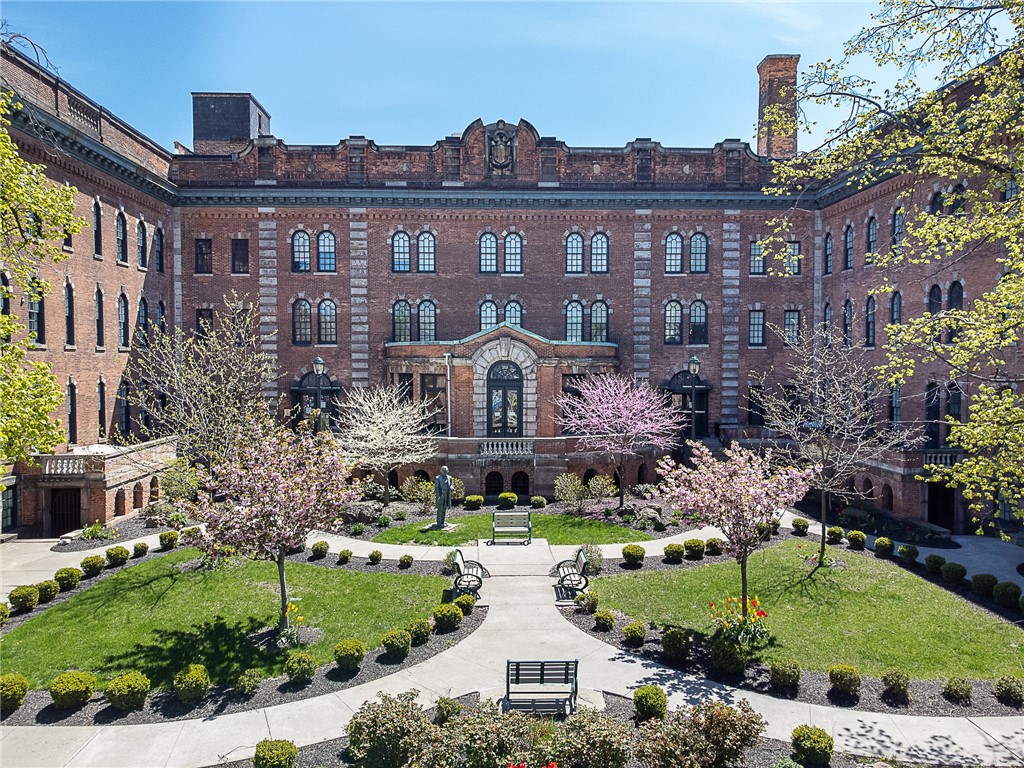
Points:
[283,622]
[387,490]
[743,583]
[622,486]
[824,524]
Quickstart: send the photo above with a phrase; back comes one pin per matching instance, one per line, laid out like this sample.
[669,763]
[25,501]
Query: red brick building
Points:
[484,271]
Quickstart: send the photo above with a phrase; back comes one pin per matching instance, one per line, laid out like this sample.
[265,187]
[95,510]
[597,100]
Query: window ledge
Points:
[328,345]
[326,272]
[757,274]
[203,274]
[37,347]
[757,346]
[98,256]
[70,348]
[67,249]
[123,349]
[100,348]
[143,269]
[121,263]
[240,274]
[513,274]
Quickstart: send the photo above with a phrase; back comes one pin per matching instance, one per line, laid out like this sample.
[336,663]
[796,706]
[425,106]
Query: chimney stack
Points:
[777,87]
[223,123]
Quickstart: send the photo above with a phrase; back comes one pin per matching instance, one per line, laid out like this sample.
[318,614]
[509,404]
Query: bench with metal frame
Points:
[547,687]
[469,576]
[512,525]
[572,574]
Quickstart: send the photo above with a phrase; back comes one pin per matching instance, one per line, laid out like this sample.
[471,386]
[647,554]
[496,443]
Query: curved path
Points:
[522,622]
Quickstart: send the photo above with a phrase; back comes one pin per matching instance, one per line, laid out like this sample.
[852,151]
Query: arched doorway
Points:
[887,497]
[494,484]
[154,490]
[120,502]
[641,474]
[305,394]
[138,496]
[521,484]
[681,387]
[421,474]
[504,400]
[868,491]
[393,478]
[589,475]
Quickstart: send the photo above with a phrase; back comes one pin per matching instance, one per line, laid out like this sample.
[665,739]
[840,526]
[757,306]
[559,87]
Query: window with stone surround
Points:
[574,321]
[488,252]
[488,315]
[401,321]
[425,252]
[755,328]
[674,253]
[673,323]
[599,253]
[302,323]
[326,257]
[427,314]
[513,253]
[599,321]
[239,256]
[574,253]
[401,259]
[204,256]
[300,252]
[698,323]
[699,253]
[326,322]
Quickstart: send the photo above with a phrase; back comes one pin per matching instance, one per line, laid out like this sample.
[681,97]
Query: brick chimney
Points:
[777,76]
[223,123]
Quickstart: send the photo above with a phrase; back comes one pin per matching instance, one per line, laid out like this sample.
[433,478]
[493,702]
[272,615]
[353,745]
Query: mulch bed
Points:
[126,530]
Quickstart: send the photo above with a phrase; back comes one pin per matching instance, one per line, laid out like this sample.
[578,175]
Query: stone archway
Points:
[138,496]
[120,502]
[508,349]
[154,490]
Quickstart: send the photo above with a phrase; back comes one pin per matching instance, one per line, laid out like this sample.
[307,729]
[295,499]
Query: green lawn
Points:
[872,614]
[557,529]
[154,618]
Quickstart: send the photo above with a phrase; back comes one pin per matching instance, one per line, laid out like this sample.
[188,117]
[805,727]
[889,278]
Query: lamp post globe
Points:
[319,366]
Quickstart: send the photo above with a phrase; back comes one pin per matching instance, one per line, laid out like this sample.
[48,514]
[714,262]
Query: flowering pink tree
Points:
[619,416]
[275,487]
[734,495]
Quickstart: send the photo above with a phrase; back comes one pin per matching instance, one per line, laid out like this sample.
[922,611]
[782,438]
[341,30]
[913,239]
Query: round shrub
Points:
[275,753]
[397,643]
[933,563]
[67,578]
[13,690]
[93,566]
[141,549]
[784,673]
[845,679]
[538,502]
[908,553]
[300,666]
[694,549]
[507,500]
[675,643]
[896,684]
[474,502]
[447,617]
[5,613]
[400,514]
[128,691]
[604,620]
[465,603]
[674,553]
[651,702]
[344,556]
[953,573]
[375,557]
[419,630]
[958,690]
[358,529]
[47,590]
[1006,594]
[248,682]
[800,526]
[713,546]
[1009,690]
[447,708]
[117,556]
[586,602]
[728,657]
[983,583]
[833,535]
[72,689]
[383,521]
[883,546]
[635,633]
[405,561]
[24,598]
[633,554]
[812,745]
[856,539]
[192,683]
[319,549]
[349,654]
[169,540]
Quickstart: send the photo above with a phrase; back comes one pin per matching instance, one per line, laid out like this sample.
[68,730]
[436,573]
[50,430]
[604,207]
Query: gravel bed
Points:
[363,565]
[127,529]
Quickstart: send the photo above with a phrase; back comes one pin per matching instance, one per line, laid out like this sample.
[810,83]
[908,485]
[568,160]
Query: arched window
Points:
[401,321]
[428,321]
[161,317]
[69,314]
[574,321]
[140,236]
[101,408]
[425,252]
[401,261]
[869,322]
[302,322]
[1011,190]
[899,228]
[871,240]
[673,323]
[827,266]
[936,203]
[957,199]
[99,316]
[123,329]
[848,323]
[896,308]
[826,325]
[504,400]
[674,253]
[848,248]
[698,323]
[142,332]
[72,412]
[954,301]
[158,250]
[488,252]
[326,257]
[488,315]
[514,313]
[935,300]
[599,253]
[932,414]
[124,412]
[300,252]
[599,321]
[122,238]
[895,406]
[513,252]
[97,228]
[326,322]
[574,253]
[699,253]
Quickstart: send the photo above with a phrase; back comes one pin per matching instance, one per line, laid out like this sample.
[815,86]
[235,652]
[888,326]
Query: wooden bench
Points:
[469,576]
[548,687]
[512,525]
[573,573]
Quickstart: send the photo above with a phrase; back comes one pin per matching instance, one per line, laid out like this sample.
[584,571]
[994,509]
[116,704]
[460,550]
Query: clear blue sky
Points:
[591,74]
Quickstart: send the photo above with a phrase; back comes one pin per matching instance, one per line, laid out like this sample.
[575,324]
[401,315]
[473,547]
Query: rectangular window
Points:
[9,503]
[791,327]
[755,406]
[755,330]
[204,321]
[403,382]
[432,388]
[204,257]
[240,257]
[757,266]
[895,407]
[793,258]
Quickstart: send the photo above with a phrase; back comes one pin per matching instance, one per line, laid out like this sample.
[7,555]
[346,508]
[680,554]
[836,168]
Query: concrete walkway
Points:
[522,622]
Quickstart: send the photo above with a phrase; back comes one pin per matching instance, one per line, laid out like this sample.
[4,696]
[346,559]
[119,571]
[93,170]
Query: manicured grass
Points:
[557,529]
[871,613]
[155,618]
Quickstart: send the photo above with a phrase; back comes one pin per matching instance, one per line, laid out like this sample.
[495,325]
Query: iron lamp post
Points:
[693,366]
[319,366]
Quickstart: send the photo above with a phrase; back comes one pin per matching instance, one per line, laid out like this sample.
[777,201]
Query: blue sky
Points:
[589,73]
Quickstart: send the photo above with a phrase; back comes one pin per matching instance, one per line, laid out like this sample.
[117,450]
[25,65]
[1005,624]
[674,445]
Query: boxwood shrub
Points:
[47,590]
[538,502]
[713,546]
[192,683]
[128,691]
[694,549]
[958,690]
[634,554]
[812,745]
[405,561]
[833,534]
[168,540]
[24,598]
[800,526]
[344,556]
[856,539]
[1009,690]
[117,556]
[13,690]
[953,573]
[419,630]
[397,643]
[983,583]
[728,656]
[5,613]
[141,549]
[635,633]
[845,678]
[1006,594]
[67,578]
[72,689]
[586,602]
[908,553]
[447,617]
[784,673]
[465,604]
[349,654]
[300,666]
[474,502]
[675,643]
[319,549]
[604,620]
[651,702]
[93,565]
[883,546]
[896,685]
[275,753]
[674,553]
[507,500]
[248,682]
[933,563]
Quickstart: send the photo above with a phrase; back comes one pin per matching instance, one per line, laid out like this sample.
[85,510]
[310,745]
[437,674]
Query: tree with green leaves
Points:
[963,139]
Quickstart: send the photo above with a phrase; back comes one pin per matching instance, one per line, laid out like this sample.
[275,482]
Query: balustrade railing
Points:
[944,457]
[63,466]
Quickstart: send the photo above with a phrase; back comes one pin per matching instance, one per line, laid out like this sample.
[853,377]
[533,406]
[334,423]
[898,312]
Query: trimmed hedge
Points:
[856,539]
[192,683]
[68,578]
[983,583]
[812,745]
[47,590]
[473,502]
[24,598]
[447,617]
[800,526]
[651,702]
[128,691]
[933,563]
[275,753]
[634,554]
[72,689]
[168,540]
[13,690]
[784,673]
[319,550]
[349,654]
[674,553]
[397,643]
[507,500]
[694,549]
[883,546]
[1006,593]
[465,603]
[117,556]
[953,573]
[845,678]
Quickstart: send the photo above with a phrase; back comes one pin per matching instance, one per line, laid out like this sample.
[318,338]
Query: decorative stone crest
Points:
[501,149]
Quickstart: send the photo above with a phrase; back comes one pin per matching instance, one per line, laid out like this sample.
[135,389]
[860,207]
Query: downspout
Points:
[448,392]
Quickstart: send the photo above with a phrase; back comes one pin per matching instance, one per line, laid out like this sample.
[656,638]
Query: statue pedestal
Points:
[445,527]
